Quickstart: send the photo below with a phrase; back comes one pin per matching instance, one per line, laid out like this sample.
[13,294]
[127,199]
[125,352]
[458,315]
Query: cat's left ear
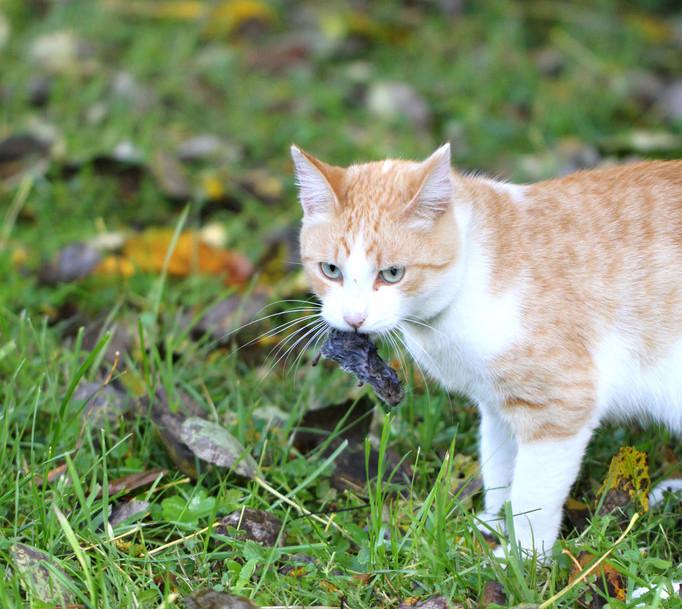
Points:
[316,183]
[434,192]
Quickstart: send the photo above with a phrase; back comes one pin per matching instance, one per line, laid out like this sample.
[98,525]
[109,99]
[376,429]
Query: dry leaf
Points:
[214,444]
[627,482]
[604,583]
[147,252]
[128,510]
[38,579]
[349,467]
[256,525]
[493,594]
[22,153]
[433,602]
[131,482]
[169,426]
[73,262]
[578,513]
[238,16]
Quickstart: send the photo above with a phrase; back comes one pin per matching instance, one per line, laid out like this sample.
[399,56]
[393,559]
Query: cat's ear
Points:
[316,182]
[434,192]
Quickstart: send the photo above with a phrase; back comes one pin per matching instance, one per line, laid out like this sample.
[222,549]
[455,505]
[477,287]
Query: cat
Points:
[553,306]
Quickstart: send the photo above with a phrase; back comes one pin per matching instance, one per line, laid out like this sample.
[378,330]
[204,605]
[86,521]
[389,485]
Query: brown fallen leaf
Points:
[54,474]
[493,594]
[280,56]
[256,525]
[131,482]
[604,583]
[432,602]
[39,579]
[210,599]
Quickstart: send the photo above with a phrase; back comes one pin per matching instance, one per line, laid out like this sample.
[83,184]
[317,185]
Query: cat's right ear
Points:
[316,181]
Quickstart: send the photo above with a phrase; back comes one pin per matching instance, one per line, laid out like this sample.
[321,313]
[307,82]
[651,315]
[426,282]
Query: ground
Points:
[101,105]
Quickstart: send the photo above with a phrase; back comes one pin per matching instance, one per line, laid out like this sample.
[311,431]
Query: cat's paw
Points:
[541,558]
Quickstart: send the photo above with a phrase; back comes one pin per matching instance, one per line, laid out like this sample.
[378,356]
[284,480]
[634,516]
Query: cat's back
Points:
[635,190]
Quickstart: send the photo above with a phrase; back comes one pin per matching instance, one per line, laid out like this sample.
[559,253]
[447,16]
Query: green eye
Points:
[393,274]
[331,271]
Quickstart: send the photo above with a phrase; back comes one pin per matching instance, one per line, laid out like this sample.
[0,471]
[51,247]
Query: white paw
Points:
[542,558]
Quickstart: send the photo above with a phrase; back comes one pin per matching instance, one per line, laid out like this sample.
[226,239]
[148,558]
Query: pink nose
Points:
[355,320]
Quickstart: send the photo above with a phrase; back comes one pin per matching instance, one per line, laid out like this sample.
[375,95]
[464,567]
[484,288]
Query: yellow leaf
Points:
[19,256]
[115,266]
[148,251]
[627,481]
[182,10]
[230,16]
[212,186]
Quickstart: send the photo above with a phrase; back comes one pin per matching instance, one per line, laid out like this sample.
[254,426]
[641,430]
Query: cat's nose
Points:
[355,320]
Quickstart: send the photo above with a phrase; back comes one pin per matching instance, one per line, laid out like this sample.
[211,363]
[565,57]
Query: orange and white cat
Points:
[553,306]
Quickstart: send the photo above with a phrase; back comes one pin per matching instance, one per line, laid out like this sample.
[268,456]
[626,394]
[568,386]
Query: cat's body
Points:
[553,306]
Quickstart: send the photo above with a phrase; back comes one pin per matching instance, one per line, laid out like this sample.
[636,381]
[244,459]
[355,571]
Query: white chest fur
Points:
[473,329]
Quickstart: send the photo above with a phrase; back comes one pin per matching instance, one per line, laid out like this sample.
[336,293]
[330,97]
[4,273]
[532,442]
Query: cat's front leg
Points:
[496,456]
[544,472]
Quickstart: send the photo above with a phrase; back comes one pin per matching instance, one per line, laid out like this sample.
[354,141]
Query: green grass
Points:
[479,74]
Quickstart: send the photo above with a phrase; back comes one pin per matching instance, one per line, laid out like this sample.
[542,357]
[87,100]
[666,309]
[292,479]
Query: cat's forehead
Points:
[372,196]
[383,184]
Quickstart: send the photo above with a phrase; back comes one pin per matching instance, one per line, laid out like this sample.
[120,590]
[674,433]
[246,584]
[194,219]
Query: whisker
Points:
[279,346]
[419,366]
[294,344]
[299,357]
[421,323]
[399,353]
[394,346]
[234,331]
[277,330]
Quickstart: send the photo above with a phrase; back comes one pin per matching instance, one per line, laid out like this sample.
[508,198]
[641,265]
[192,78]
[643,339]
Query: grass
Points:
[480,73]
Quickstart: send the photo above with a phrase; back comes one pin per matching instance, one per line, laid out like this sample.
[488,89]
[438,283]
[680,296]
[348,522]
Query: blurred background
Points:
[123,111]
[119,116]
[147,200]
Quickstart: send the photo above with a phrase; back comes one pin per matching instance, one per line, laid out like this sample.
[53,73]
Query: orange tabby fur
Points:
[591,257]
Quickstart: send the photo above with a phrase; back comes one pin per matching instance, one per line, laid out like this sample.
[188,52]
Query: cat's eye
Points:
[393,274]
[331,271]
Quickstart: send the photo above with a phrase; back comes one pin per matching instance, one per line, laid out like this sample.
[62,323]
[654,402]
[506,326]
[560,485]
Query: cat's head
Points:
[378,242]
